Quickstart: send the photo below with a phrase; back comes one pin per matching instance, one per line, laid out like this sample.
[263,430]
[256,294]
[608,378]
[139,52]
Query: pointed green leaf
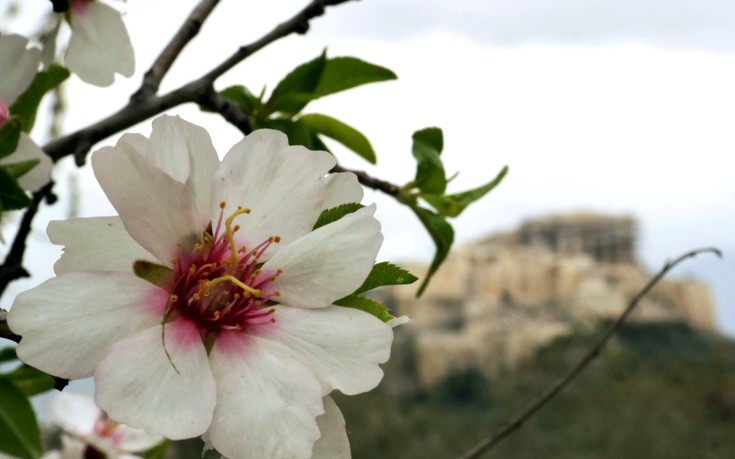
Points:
[19,432]
[297,88]
[386,273]
[335,213]
[26,106]
[321,77]
[243,97]
[427,147]
[441,233]
[298,133]
[342,133]
[17,170]
[366,304]
[30,380]
[9,136]
[161,276]
[452,205]
[345,72]
[12,196]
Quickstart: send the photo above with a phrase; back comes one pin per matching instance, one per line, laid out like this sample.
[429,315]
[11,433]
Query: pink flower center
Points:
[4,113]
[220,286]
[79,6]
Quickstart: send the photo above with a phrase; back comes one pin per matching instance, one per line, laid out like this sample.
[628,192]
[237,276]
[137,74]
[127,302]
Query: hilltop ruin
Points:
[496,301]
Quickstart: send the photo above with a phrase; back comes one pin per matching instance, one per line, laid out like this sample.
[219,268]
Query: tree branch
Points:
[5,330]
[12,268]
[189,30]
[555,388]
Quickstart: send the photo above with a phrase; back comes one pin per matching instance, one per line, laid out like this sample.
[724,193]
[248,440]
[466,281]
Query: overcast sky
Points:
[608,105]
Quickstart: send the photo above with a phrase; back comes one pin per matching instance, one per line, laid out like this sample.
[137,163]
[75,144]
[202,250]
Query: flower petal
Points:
[283,186]
[74,413]
[328,263]
[342,188]
[343,346]
[95,244]
[267,399]
[69,322]
[19,66]
[99,45]
[157,210]
[184,150]
[333,444]
[168,391]
[27,150]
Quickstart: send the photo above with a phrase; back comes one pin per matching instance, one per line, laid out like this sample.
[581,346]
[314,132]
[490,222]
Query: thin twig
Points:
[371,182]
[12,268]
[299,23]
[162,64]
[555,388]
[5,329]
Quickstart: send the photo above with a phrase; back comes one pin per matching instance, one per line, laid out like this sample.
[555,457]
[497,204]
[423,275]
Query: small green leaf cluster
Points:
[312,80]
[22,118]
[382,274]
[20,435]
[429,186]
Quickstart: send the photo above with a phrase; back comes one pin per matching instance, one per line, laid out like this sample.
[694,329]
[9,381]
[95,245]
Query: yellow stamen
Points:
[228,277]
[231,232]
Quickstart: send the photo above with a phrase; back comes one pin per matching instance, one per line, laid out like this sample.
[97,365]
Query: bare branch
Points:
[5,330]
[297,24]
[12,267]
[189,30]
[371,182]
[555,388]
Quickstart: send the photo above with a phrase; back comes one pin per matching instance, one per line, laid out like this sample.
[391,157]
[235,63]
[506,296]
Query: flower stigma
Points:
[219,285]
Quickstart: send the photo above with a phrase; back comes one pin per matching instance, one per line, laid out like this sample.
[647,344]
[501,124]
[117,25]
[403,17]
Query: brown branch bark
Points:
[486,444]
[162,64]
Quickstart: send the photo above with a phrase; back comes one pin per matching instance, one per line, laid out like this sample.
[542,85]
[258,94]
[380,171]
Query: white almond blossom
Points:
[99,46]
[87,430]
[18,67]
[228,330]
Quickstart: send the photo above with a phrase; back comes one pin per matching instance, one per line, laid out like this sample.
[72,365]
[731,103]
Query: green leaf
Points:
[12,196]
[19,432]
[386,273]
[243,97]
[161,276]
[427,147]
[321,77]
[9,136]
[342,73]
[7,354]
[17,170]
[441,233]
[452,205]
[30,380]
[366,304]
[26,106]
[298,133]
[158,451]
[335,213]
[342,133]
[297,88]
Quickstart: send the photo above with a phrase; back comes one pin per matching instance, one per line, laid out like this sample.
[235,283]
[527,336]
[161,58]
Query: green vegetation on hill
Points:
[657,391]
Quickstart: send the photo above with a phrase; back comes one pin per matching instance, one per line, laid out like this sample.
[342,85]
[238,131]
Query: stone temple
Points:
[494,302]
